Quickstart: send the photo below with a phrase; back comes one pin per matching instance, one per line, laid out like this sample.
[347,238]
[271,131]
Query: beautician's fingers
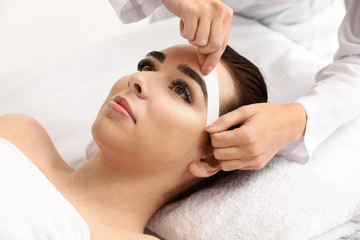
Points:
[189,12]
[210,30]
[253,163]
[230,119]
[202,32]
[225,138]
[188,26]
[213,23]
[264,129]
[219,35]
[201,58]
[212,60]
[227,153]
[206,25]
[239,164]
[231,165]
[197,15]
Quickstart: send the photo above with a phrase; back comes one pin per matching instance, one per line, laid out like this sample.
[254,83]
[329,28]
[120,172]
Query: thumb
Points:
[229,119]
[211,61]
[182,33]
[201,58]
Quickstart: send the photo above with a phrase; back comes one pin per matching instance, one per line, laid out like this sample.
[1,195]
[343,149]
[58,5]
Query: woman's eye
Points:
[181,88]
[146,68]
[145,65]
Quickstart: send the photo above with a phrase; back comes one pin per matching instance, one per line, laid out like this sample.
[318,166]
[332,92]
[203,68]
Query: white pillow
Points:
[283,201]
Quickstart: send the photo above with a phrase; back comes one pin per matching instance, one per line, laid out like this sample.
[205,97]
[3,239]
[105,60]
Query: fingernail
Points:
[203,43]
[211,127]
[207,70]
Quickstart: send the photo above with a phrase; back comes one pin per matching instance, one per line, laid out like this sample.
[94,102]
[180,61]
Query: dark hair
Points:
[250,87]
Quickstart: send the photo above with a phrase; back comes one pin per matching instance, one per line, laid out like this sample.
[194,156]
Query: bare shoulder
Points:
[16,121]
[19,128]
[30,137]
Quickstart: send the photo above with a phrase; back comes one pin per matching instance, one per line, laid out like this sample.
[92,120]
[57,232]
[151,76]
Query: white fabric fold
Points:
[134,10]
[30,206]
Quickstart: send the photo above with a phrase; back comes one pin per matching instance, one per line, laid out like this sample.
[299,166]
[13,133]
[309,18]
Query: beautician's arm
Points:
[333,101]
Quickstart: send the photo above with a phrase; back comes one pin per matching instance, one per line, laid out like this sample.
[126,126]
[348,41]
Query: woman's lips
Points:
[120,105]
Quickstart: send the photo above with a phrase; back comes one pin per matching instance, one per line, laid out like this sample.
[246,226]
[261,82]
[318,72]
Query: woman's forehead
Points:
[187,49]
[185,54]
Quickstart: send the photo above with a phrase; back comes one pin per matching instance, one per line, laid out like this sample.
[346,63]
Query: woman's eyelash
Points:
[181,88]
[145,65]
[178,86]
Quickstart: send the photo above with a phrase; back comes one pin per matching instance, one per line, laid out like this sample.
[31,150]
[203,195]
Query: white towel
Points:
[349,230]
[283,201]
[31,208]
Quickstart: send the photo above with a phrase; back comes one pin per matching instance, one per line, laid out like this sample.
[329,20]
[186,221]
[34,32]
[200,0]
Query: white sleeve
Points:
[134,10]
[261,10]
[269,11]
[310,23]
[335,98]
[265,11]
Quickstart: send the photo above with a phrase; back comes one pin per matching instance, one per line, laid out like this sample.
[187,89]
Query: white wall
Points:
[33,31]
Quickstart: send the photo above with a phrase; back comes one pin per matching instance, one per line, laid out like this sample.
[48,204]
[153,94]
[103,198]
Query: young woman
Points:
[152,140]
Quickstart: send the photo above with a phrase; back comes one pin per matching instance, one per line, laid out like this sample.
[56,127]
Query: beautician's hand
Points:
[206,25]
[264,129]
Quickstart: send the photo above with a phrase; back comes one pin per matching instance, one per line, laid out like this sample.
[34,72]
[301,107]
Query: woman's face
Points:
[157,116]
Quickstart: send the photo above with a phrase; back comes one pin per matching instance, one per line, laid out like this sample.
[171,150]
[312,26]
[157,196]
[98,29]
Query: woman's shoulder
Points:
[30,137]
[19,129]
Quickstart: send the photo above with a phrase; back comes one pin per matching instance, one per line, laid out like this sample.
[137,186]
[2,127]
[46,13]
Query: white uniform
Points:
[335,98]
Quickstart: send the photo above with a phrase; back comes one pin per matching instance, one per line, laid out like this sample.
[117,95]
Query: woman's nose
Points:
[138,84]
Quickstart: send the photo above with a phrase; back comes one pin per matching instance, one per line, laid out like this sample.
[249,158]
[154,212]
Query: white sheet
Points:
[30,206]
[65,95]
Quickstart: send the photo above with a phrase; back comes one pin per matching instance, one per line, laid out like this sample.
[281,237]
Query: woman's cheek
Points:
[184,123]
[120,85]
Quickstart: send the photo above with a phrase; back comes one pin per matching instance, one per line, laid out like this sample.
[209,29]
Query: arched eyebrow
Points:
[157,55]
[182,68]
[195,76]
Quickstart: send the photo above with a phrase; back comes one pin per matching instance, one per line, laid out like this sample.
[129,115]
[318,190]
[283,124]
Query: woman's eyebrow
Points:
[157,55]
[194,75]
[182,68]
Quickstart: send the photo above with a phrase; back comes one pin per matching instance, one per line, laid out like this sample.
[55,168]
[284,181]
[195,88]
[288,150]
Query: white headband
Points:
[212,89]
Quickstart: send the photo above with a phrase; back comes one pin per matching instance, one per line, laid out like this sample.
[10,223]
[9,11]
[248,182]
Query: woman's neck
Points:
[118,200]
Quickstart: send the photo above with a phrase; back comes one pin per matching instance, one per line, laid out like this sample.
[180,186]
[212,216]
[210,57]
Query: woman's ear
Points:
[203,168]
